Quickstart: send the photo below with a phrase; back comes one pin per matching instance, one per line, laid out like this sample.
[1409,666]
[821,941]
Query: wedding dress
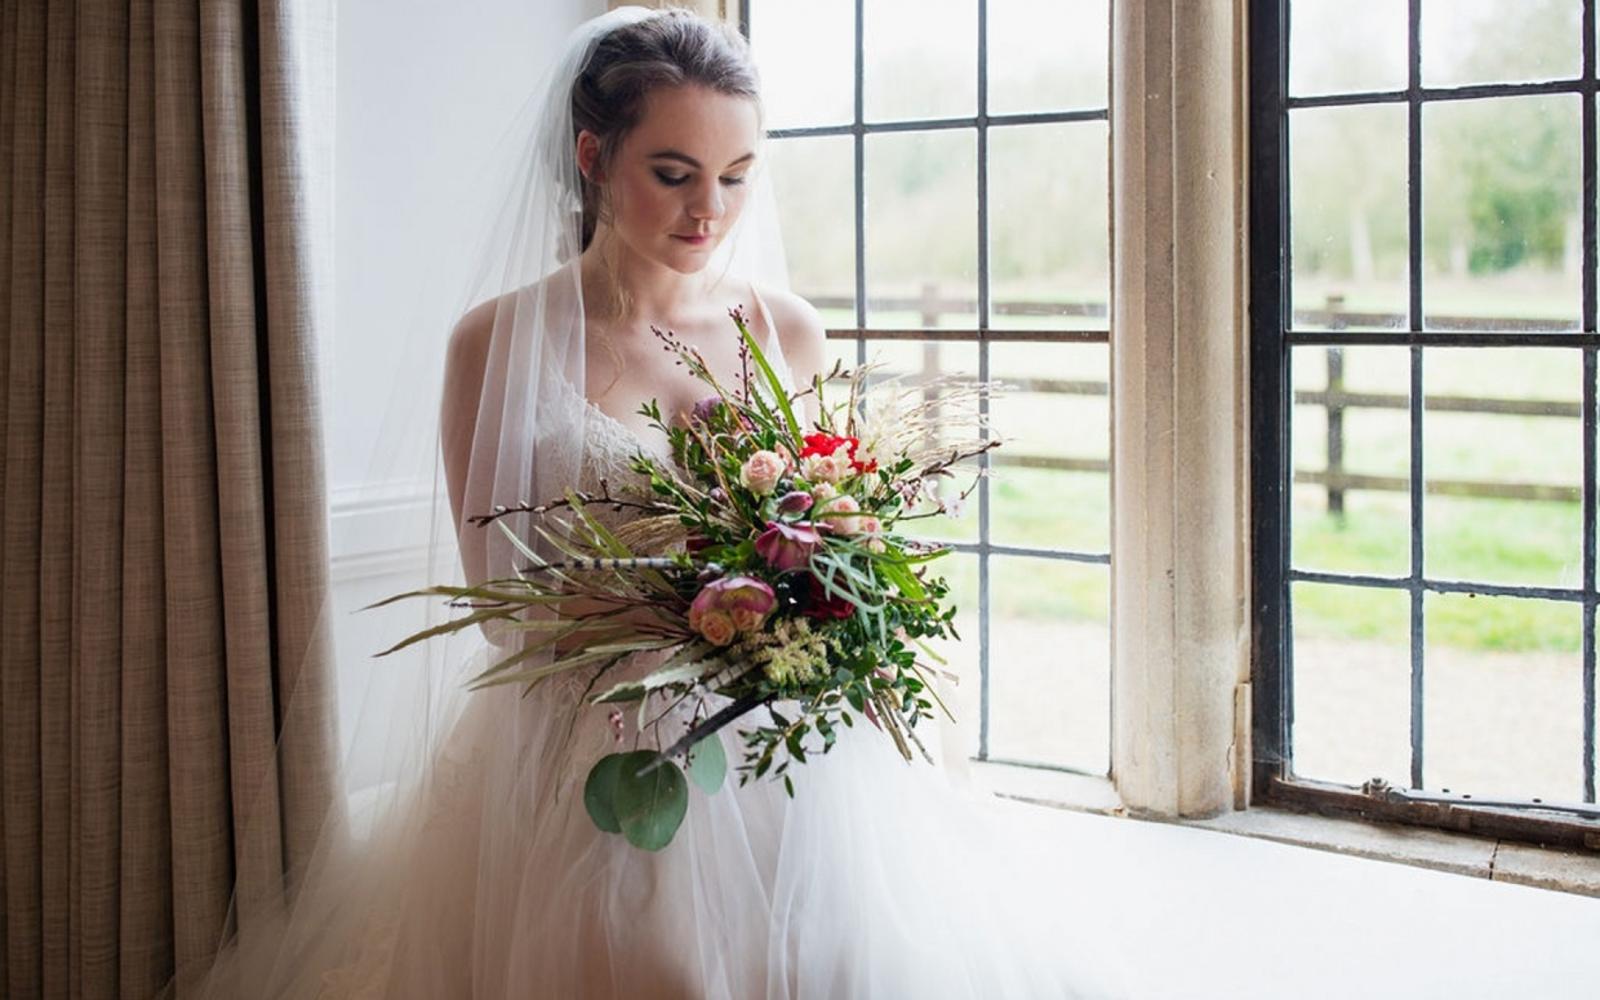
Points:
[878,879]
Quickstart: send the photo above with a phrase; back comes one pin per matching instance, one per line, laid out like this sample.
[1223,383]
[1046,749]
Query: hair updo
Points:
[669,49]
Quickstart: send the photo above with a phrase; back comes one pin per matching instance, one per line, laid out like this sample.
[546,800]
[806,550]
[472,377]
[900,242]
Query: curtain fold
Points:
[163,527]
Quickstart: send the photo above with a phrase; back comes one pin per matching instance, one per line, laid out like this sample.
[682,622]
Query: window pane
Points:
[1348,217]
[1352,514]
[922,225]
[1346,45]
[1492,41]
[1048,57]
[1503,708]
[960,570]
[921,59]
[1049,663]
[1352,684]
[806,55]
[814,181]
[1500,213]
[1049,251]
[1503,500]
[1051,485]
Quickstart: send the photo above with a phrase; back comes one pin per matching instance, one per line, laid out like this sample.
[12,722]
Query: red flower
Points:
[827,444]
[821,604]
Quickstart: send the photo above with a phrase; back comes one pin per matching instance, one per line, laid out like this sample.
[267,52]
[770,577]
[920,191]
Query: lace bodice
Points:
[609,449]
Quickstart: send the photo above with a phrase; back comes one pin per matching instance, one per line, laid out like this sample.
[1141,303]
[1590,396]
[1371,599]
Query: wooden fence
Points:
[1335,398]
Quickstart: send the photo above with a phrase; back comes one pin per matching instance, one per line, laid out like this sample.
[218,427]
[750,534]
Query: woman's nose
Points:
[707,202]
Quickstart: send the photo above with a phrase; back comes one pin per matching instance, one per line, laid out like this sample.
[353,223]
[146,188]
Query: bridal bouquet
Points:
[787,584]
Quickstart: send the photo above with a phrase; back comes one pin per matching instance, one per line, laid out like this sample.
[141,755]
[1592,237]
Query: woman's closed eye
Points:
[673,180]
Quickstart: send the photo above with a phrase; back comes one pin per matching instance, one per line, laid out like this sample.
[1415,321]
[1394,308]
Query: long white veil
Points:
[398,712]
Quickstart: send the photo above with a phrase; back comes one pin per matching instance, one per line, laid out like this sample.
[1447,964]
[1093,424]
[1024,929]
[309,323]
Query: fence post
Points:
[1335,410]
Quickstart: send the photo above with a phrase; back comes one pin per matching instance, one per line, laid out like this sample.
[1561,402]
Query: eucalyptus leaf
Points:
[708,764]
[649,806]
[600,792]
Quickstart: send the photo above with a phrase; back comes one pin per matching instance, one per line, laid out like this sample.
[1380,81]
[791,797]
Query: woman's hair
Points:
[669,49]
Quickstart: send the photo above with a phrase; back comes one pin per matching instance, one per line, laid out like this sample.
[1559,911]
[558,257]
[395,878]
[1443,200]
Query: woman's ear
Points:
[589,156]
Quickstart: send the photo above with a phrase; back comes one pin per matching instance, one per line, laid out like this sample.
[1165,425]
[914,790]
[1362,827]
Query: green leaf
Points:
[650,806]
[903,579]
[600,792]
[779,395]
[708,764]
[852,694]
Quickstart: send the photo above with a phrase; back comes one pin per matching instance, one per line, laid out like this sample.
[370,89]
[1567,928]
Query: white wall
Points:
[424,90]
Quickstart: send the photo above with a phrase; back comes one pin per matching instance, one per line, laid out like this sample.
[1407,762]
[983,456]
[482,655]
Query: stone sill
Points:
[1480,857]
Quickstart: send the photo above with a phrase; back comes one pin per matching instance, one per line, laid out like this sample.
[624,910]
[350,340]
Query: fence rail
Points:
[1334,398]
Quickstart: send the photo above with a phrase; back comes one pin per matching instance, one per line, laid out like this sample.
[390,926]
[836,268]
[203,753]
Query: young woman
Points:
[640,204]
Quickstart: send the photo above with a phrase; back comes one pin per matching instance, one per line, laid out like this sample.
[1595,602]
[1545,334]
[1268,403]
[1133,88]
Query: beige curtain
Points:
[162,524]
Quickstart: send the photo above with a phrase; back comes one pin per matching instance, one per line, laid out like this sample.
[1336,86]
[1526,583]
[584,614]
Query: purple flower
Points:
[705,409]
[705,412]
[787,546]
[794,502]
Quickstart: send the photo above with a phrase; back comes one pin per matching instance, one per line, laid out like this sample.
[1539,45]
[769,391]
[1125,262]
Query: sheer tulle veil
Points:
[394,713]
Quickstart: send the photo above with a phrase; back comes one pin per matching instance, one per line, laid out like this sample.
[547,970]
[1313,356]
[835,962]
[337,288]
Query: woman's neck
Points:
[648,289]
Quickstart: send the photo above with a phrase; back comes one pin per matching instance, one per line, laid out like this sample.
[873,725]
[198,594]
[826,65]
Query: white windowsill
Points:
[1481,857]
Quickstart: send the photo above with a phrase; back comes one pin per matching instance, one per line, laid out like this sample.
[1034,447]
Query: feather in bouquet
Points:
[789,587]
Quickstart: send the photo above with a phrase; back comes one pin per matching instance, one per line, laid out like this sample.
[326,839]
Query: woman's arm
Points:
[465,358]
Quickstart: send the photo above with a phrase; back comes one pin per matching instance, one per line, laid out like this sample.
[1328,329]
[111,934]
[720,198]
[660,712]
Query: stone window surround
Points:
[1181,623]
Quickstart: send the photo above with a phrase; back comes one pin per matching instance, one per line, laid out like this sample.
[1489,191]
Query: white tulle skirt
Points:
[880,878]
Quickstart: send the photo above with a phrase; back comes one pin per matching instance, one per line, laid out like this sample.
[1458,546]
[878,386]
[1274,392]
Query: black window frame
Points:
[980,123]
[1271,338]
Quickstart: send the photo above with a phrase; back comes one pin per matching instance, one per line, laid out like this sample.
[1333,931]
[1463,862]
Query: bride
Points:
[640,202]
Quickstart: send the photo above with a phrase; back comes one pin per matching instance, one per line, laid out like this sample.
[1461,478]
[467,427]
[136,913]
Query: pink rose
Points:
[760,472]
[845,505]
[729,605]
[873,528]
[717,627]
[787,546]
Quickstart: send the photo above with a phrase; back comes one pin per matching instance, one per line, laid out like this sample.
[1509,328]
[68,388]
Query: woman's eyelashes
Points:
[673,180]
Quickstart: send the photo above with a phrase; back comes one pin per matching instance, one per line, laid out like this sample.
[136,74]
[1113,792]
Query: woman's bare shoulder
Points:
[801,332]
[470,337]
[473,332]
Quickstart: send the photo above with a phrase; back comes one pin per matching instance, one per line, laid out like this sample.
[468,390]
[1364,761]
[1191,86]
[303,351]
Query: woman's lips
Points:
[694,240]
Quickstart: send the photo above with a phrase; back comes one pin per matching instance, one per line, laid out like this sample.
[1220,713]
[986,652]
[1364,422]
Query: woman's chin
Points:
[691,262]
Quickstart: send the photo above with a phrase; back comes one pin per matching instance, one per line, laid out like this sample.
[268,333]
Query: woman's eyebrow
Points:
[689,161]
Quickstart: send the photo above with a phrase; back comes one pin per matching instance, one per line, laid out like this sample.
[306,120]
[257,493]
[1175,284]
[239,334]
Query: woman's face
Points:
[677,183]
